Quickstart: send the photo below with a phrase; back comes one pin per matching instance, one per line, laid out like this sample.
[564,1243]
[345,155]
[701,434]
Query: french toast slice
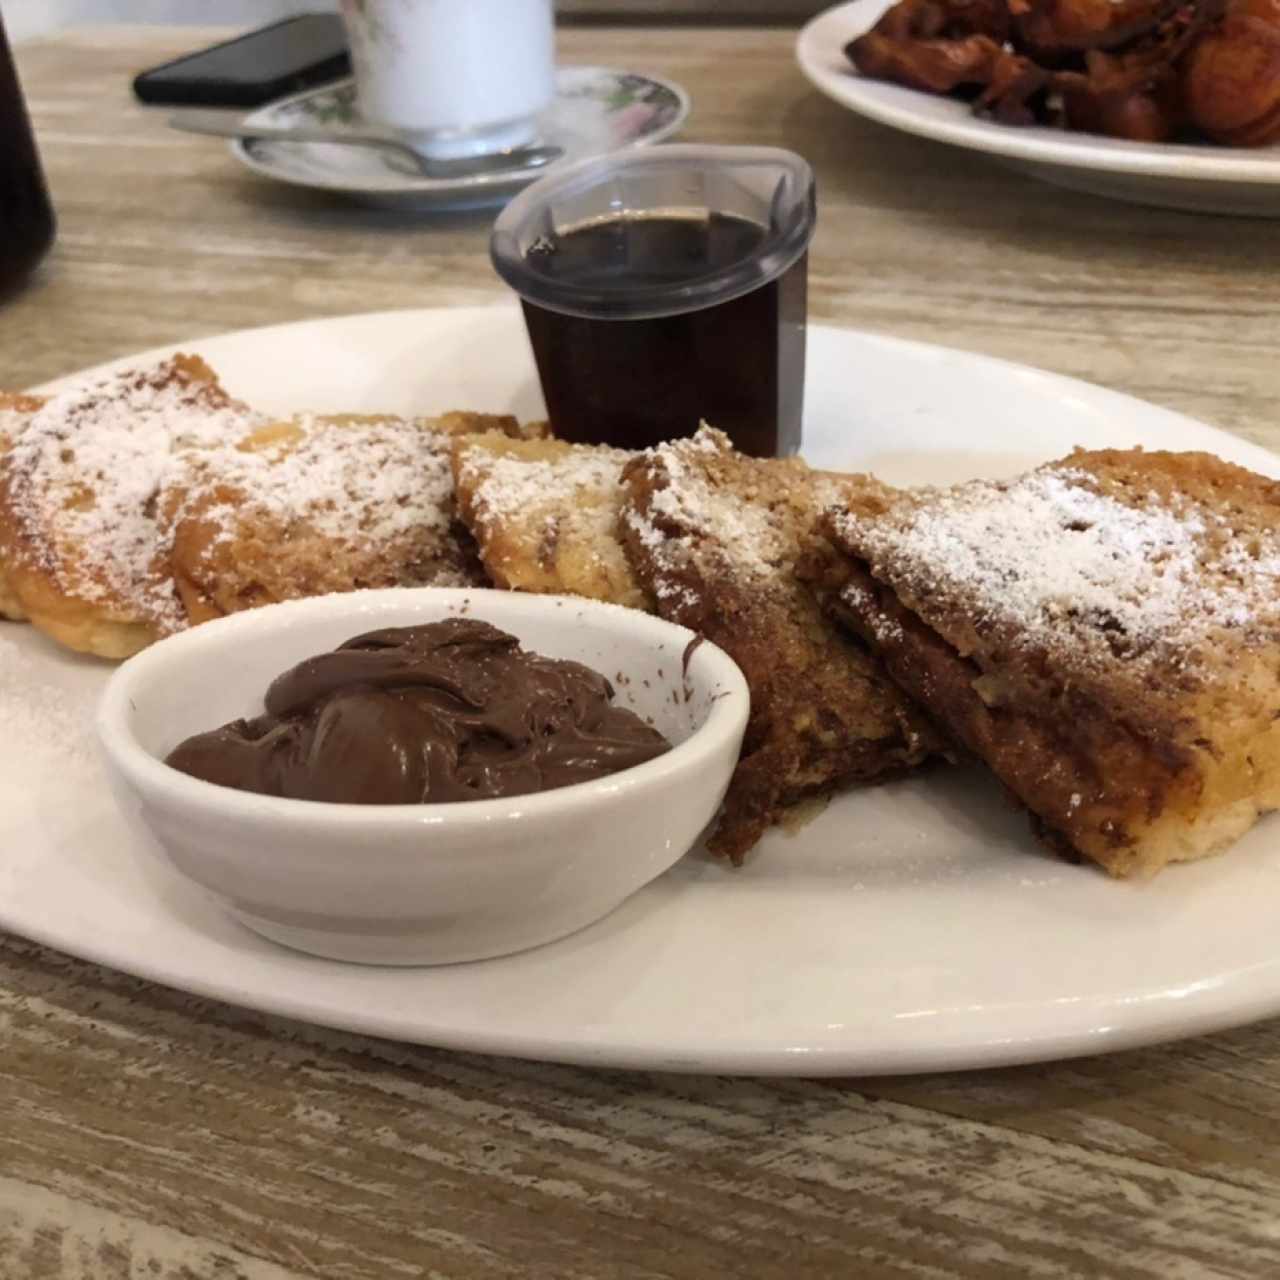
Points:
[1103,632]
[319,504]
[16,409]
[716,537]
[83,553]
[544,515]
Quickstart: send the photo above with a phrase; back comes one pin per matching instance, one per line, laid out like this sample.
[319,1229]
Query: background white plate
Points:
[910,927]
[1203,178]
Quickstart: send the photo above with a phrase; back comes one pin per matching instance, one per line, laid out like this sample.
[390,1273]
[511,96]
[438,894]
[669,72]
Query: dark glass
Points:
[636,382]
[26,216]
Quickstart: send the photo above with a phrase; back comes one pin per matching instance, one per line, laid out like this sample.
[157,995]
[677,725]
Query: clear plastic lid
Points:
[762,185]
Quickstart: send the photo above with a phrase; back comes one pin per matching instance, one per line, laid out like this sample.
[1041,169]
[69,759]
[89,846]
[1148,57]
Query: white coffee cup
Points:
[456,77]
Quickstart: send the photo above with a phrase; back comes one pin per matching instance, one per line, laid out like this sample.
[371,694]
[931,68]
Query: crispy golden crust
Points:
[716,538]
[77,495]
[152,500]
[544,516]
[321,504]
[1124,684]
[15,409]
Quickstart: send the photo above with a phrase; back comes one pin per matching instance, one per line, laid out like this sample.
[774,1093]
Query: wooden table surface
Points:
[147,1133]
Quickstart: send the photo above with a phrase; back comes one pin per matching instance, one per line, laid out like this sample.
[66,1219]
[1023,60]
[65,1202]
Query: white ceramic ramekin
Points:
[431,883]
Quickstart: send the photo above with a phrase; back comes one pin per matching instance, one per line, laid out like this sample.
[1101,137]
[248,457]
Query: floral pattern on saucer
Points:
[595,110]
[335,104]
[635,104]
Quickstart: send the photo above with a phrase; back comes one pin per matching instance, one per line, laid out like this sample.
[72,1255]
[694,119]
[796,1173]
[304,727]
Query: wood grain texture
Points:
[336,1155]
[146,1133]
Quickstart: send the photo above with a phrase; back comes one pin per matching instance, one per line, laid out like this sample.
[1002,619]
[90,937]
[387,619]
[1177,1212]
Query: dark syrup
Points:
[738,365]
[26,216]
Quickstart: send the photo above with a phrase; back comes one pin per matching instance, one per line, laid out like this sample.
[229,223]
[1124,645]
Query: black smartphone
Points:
[254,68]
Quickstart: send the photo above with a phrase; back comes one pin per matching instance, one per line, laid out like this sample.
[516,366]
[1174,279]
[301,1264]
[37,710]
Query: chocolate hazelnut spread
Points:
[453,710]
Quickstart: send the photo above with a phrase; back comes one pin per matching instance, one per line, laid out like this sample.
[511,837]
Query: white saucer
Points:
[1200,178]
[596,109]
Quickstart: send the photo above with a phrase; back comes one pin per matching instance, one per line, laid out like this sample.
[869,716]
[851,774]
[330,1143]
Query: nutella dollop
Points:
[453,710]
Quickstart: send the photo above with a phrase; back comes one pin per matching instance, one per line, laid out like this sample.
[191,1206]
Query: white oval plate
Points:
[910,927]
[596,109]
[1205,178]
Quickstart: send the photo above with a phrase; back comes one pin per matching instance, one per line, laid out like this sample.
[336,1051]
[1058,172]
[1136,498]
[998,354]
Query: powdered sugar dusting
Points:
[688,512]
[508,487]
[85,474]
[1054,564]
[101,478]
[545,514]
[885,629]
[357,485]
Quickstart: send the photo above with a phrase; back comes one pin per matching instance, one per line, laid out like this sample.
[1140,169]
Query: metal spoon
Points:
[512,160]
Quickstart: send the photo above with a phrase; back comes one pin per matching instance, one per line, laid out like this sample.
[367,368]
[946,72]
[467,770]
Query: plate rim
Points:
[979,1053]
[828,30]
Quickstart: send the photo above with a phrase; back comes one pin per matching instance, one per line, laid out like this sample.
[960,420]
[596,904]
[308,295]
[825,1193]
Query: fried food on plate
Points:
[1103,632]
[544,514]
[321,504]
[82,550]
[715,537]
[1143,70]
